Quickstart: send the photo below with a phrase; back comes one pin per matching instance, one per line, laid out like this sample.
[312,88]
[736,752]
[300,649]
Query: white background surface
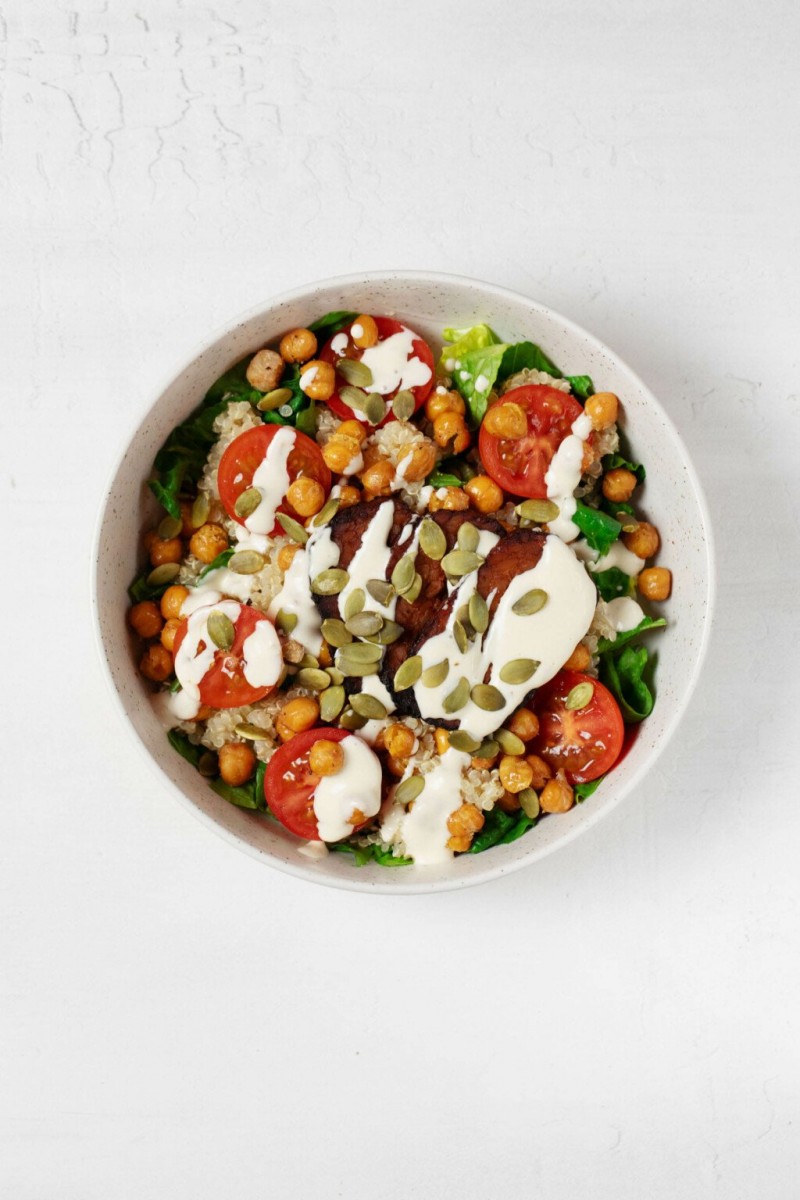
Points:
[620,1021]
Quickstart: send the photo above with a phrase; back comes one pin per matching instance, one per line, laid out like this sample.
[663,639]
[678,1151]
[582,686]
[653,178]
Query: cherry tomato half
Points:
[289,785]
[520,465]
[386,328]
[224,684]
[585,742]
[246,453]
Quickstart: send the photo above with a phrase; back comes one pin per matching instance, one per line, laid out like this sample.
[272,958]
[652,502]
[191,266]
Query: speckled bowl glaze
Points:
[672,498]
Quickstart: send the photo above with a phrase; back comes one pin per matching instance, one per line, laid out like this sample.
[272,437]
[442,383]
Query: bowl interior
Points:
[671,497]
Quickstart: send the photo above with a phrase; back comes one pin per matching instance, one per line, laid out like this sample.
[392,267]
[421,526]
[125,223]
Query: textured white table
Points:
[620,1021]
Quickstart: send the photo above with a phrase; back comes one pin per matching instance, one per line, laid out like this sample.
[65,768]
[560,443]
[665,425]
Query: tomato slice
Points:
[289,785]
[584,742]
[386,328]
[247,452]
[224,684]
[520,465]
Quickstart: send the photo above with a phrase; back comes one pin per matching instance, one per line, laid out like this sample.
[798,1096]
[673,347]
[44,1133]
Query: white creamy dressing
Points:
[619,556]
[223,582]
[394,365]
[564,475]
[371,685]
[356,786]
[624,613]
[313,850]
[371,560]
[307,377]
[295,597]
[272,480]
[423,829]
[548,636]
[356,331]
[339,342]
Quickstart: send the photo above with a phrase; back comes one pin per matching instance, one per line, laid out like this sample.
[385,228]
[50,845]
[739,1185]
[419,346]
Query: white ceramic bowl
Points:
[672,498]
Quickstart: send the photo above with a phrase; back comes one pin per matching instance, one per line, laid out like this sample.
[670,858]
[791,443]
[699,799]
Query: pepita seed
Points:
[247,503]
[403,574]
[326,513]
[313,678]
[434,676]
[364,624]
[403,405]
[331,702]
[201,510]
[274,399]
[354,603]
[389,633]
[253,733]
[354,371]
[220,629]
[353,397]
[246,562]
[432,541]
[336,675]
[487,697]
[459,696]
[468,538]
[286,621]
[487,749]
[409,789]
[375,409]
[360,652]
[330,582]
[292,528]
[413,592]
[529,802]
[478,613]
[530,603]
[509,742]
[335,633]
[308,660]
[368,706]
[407,673]
[580,696]
[460,562]
[518,670]
[460,635]
[351,720]
[165,573]
[381,590]
[208,765]
[461,740]
[169,528]
[538,511]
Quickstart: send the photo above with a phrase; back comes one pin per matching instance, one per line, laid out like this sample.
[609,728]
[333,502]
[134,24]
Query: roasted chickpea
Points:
[396,766]
[588,457]
[165,550]
[450,427]
[417,461]
[442,740]
[643,540]
[541,771]
[326,758]
[485,494]
[300,714]
[556,797]
[442,402]
[515,773]
[187,528]
[579,660]
[168,633]
[298,345]
[655,583]
[156,663]
[484,764]
[462,825]
[325,657]
[506,420]
[208,541]
[509,802]
[286,554]
[378,478]
[352,429]
[364,331]
[145,619]
[399,740]
[237,762]
[602,409]
[306,496]
[265,370]
[349,496]
[454,499]
[150,536]
[318,380]
[172,601]
[619,485]
[524,723]
[340,452]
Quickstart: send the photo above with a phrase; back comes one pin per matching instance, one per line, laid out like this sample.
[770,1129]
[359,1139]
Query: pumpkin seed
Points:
[460,635]
[326,513]
[361,652]
[461,740]
[353,397]
[407,673]
[403,405]
[529,802]
[246,562]
[169,528]
[308,660]
[409,789]
[460,562]
[389,633]
[253,733]
[220,629]
[354,603]
[403,574]
[538,511]
[331,702]
[364,623]
[509,742]
[330,582]
[382,591]
[375,409]
[248,502]
[432,541]
[530,603]
[413,592]
[354,371]
[292,528]
[351,720]
[478,613]
[433,676]
[487,749]
[487,697]
[336,675]
[165,573]
[368,706]
[285,620]
[335,633]
[468,538]
[518,670]
[201,510]
[208,765]
[313,678]
[459,696]
[580,696]
[274,399]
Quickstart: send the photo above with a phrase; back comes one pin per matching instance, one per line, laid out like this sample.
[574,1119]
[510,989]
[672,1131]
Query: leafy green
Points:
[249,795]
[500,828]
[526,356]
[140,589]
[475,378]
[581,386]
[233,382]
[599,529]
[332,323]
[614,508]
[623,674]
[373,853]
[439,479]
[183,456]
[612,461]
[243,797]
[221,560]
[180,742]
[584,790]
[464,341]
[622,639]
[613,583]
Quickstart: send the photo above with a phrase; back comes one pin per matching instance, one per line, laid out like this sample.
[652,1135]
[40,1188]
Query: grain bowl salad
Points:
[396,600]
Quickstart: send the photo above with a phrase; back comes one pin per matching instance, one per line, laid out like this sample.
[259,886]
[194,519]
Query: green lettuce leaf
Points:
[623,674]
[581,386]
[584,790]
[599,529]
[613,583]
[622,639]
[140,589]
[612,461]
[439,479]
[463,341]
[332,323]
[475,378]
[526,356]
[364,854]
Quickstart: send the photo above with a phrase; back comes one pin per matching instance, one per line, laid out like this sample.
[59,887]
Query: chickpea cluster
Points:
[157,624]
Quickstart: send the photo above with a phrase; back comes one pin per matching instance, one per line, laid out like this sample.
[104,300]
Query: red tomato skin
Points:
[386,327]
[291,801]
[520,465]
[224,685]
[244,456]
[599,724]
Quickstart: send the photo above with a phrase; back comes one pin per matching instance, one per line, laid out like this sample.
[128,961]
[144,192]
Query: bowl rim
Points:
[537,852]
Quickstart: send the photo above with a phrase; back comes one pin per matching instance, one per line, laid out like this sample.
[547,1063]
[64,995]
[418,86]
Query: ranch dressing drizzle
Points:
[295,597]
[619,556]
[272,480]
[356,786]
[371,685]
[394,365]
[548,636]
[564,475]
[339,342]
[371,561]
[423,829]
[624,613]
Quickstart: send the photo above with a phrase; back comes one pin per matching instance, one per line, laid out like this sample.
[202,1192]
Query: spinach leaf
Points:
[605,644]
[600,530]
[439,479]
[526,356]
[622,673]
[581,386]
[233,382]
[249,795]
[243,797]
[364,854]
[500,828]
[613,583]
[306,420]
[140,589]
[583,790]
[221,560]
[614,507]
[612,461]
[332,323]
[180,742]
[182,457]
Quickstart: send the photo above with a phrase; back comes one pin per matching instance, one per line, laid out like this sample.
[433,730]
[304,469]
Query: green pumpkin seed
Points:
[330,582]
[537,511]
[488,748]
[529,802]
[354,371]
[354,603]
[353,397]
[408,673]
[460,562]
[459,696]
[308,660]
[403,405]
[292,528]
[432,541]
[286,621]
[478,613]
[460,635]
[375,409]
[313,678]
[208,765]
[335,633]
[519,670]
[409,789]
[487,697]
[390,632]
[361,652]
[509,742]
[368,706]
[336,675]
[364,624]
[163,574]
[382,591]
[468,538]
[331,702]
[580,696]
[461,740]
[274,399]
[246,562]
[530,603]
[434,676]
[403,574]
[253,733]
[413,592]
[169,528]
[201,510]
[220,629]
[351,720]
[247,503]
[326,513]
